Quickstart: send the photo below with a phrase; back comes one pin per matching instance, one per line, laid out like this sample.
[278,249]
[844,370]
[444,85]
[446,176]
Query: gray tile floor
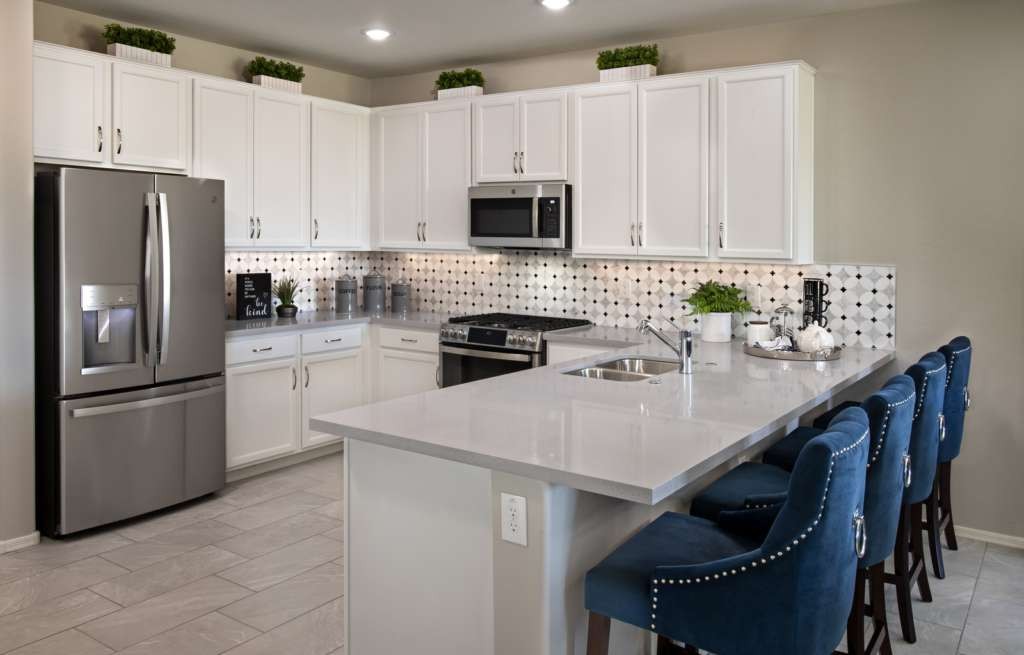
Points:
[257,569]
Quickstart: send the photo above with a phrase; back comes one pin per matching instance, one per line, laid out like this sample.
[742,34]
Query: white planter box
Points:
[139,54]
[268,82]
[716,327]
[461,92]
[629,73]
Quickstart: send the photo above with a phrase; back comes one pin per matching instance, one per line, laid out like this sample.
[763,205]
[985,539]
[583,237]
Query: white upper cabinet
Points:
[397,177]
[521,138]
[151,117]
[281,179]
[765,163]
[446,145]
[604,195]
[674,135]
[339,175]
[222,149]
[69,105]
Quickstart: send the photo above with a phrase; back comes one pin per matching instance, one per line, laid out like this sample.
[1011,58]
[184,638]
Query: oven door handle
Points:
[487,354]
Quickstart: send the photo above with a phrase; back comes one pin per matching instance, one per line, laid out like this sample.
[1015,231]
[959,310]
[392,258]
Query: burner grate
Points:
[520,322]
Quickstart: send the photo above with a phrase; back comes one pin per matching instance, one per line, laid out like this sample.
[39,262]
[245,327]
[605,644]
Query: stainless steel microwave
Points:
[521,216]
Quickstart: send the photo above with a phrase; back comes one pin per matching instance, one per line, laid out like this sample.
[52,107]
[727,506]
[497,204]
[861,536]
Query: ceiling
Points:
[429,34]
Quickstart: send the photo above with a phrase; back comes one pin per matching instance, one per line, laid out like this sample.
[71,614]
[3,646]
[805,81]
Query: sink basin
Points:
[626,369]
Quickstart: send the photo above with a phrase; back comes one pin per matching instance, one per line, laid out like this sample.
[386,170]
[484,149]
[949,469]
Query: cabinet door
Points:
[755,164]
[673,167]
[339,176]
[331,382]
[403,373]
[397,182]
[263,411]
[223,150]
[543,137]
[604,196]
[68,106]
[151,117]
[446,176]
[496,140]
[281,180]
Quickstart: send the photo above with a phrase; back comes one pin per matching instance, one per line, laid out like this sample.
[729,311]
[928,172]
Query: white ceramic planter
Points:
[139,54]
[716,327]
[629,73]
[268,82]
[461,92]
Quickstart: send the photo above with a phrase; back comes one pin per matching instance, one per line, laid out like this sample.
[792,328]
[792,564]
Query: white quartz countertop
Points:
[235,329]
[637,441]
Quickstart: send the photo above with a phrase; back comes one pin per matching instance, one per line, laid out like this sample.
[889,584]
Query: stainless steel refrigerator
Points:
[130,344]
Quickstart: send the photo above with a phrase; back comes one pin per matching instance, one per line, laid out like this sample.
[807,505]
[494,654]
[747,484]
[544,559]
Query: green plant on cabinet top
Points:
[274,68]
[714,298]
[454,79]
[634,55]
[139,37]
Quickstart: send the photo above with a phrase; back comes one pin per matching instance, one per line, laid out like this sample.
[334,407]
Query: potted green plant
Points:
[285,290]
[716,303]
[275,74]
[139,44]
[458,84]
[635,62]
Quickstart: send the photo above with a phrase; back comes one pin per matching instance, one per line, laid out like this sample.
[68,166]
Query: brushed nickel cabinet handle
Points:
[265,349]
[252,227]
[316,229]
[332,340]
[522,162]
[259,227]
[721,234]
[295,379]
[424,231]
[640,234]
[307,377]
[515,158]
[632,234]
[99,138]
[404,340]
[120,140]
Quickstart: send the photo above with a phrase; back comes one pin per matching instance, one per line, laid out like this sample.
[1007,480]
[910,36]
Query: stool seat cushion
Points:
[748,486]
[620,585]
[784,453]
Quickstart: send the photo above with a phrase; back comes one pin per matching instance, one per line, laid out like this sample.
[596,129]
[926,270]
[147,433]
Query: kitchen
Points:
[529,231]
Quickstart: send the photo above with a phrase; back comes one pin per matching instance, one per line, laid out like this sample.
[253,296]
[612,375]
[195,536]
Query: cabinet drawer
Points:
[258,350]
[340,339]
[422,340]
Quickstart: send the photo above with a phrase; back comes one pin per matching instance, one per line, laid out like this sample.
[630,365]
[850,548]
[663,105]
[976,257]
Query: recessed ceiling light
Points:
[556,5]
[377,34]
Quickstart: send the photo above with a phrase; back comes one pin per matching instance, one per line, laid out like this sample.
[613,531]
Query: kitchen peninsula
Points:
[595,459]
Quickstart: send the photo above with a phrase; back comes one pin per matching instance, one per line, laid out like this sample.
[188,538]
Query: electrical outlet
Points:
[513,519]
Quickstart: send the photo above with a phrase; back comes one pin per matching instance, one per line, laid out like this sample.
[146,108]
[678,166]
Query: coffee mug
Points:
[759,331]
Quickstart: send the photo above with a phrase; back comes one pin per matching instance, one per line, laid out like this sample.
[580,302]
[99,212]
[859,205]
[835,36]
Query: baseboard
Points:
[234,475]
[19,542]
[1000,539]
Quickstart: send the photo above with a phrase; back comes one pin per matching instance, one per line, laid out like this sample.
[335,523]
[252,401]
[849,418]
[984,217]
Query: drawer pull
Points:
[263,350]
[332,340]
[404,340]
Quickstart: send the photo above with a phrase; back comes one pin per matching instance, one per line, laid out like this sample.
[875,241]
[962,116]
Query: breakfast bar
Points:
[439,556]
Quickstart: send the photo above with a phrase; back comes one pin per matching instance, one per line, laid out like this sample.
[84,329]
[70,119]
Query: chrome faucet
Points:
[684,350]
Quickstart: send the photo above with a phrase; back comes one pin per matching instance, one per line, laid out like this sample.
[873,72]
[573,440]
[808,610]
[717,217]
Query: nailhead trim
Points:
[763,560]
[885,426]
[924,388]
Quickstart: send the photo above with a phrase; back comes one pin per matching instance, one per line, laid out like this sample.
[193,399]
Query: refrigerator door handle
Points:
[152,274]
[165,277]
[146,403]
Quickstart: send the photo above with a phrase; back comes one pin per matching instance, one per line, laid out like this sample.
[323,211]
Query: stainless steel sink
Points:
[626,369]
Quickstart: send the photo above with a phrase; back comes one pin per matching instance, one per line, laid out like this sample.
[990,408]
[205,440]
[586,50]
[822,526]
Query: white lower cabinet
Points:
[405,372]
[263,411]
[331,382]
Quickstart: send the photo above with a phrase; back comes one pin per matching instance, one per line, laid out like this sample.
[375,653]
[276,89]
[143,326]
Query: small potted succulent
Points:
[285,291]
[139,44]
[274,74]
[635,62]
[459,84]
[716,303]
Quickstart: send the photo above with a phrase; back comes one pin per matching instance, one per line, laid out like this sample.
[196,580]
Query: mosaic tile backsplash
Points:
[608,292]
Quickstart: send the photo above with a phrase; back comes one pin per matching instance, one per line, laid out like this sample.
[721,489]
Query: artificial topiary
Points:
[457,79]
[634,55]
[273,68]
[139,37]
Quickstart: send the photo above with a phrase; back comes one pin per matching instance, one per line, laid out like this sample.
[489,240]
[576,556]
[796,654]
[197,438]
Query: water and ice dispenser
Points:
[109,313]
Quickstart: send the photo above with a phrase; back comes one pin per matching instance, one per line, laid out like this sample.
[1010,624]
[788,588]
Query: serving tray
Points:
[794,356]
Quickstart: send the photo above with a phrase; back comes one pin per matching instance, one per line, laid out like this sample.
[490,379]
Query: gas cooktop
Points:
[511,331]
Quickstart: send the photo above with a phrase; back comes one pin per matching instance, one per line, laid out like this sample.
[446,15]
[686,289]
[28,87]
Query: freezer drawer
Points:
[123,455]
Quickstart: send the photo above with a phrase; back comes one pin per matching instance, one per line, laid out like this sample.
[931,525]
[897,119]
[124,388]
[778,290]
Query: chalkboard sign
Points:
[252,296]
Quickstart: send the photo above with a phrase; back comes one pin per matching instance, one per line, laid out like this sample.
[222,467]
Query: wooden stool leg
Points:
[901,577]
[946,504]
[598,630]
[918,570]
[934,534]
[876,586]
[855,623]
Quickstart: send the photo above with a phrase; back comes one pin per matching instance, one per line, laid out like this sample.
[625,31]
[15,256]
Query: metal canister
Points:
[346,290]
[401,296]
[373,292]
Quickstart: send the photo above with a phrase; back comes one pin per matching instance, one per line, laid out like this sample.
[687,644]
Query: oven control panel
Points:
[495,337]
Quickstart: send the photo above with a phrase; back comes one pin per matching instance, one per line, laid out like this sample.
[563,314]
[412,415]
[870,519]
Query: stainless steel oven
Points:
[521,216]
[460,364]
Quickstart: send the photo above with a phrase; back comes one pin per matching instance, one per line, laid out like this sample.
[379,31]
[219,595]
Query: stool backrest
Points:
[890,412]
[929,376]
[958,369]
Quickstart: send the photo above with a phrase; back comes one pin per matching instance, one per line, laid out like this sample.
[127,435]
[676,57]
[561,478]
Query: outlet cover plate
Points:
[513,519]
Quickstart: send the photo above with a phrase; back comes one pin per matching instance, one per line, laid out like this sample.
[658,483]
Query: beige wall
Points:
[80,30]
[17,367]
[919,163]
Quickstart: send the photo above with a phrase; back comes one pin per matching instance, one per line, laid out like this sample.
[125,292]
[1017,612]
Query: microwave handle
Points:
[535,219]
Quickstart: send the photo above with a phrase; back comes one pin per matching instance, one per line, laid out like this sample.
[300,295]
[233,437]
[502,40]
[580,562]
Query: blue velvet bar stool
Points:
[890,412]
[939,506]
[695,582]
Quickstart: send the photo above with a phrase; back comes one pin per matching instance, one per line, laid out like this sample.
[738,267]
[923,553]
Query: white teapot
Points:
[814,338]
